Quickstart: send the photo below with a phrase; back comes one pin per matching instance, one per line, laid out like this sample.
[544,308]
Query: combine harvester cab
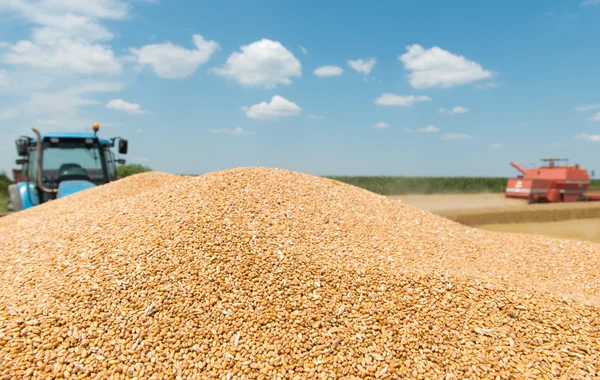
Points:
[551,183]
[58,164]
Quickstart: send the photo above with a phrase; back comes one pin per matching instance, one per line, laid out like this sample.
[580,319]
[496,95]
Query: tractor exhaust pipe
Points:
[518,167]
[38,146]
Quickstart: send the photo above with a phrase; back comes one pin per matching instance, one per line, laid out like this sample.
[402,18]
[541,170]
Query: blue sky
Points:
[338,87]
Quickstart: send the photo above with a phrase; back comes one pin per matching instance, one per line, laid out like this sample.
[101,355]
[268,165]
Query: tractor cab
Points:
[58,164]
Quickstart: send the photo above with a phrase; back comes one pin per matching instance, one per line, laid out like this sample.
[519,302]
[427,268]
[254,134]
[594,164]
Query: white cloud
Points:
[303,50]
[47,122]
[3,79]
[69,99]
[362,66]
[596,117]
[496,146]
[587,107]
[236,132]
[9,113]
[428,129]
[316,117]
[389,99]
[278,107]
[78,56]
[70,18]
[263,63]
[408,130]
[123,106]
[59,108]
[436,67]
[328,71]
[485,86]
[35,10]
[138,131]
[174,61]
[380,125]
[65,35]
[590,2]
[588,138]
[454,111]
[457,136]
[3,44]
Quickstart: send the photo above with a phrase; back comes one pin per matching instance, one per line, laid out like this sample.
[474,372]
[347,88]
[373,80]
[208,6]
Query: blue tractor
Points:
[58,164]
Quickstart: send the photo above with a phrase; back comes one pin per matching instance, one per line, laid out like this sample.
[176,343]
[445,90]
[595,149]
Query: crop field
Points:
[424,185]
[4,182]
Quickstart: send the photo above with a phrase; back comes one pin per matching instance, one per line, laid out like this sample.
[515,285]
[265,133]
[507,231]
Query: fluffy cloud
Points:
[277,108]
[3,79]
[316,117]
[68,100]
[457,136]
[123,106]
[59,108]
[66,35]
[380,125]
[328,71]
[9,113]
[436,67]
[389,99]
[428,129]
[454,110]
[173,61]
[587,107]
[496,146]
[596,117]
[588,138]
[78,56]
[263,63]
[485,86]
[70,18]
[362,66]
[236,132]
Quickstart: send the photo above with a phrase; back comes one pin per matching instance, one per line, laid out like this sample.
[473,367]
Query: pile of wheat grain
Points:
[264,273]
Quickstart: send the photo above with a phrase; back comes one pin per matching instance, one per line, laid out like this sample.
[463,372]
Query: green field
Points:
[4,182]
[424,185]
[430,185]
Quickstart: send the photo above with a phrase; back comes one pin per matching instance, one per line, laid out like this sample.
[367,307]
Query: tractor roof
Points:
[83,135]
[77,135]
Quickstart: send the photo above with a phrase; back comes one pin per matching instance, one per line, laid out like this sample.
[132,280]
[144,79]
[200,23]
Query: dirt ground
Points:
[494,212]
[578,229]
[444,202]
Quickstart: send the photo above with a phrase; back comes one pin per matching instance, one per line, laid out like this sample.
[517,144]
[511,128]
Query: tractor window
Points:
[73,153]
[31,166]
[111,164]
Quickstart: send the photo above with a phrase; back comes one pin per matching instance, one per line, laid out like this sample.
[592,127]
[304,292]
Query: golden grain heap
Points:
[263,273]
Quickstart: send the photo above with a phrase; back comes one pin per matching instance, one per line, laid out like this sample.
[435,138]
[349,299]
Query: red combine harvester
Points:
[551,183]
